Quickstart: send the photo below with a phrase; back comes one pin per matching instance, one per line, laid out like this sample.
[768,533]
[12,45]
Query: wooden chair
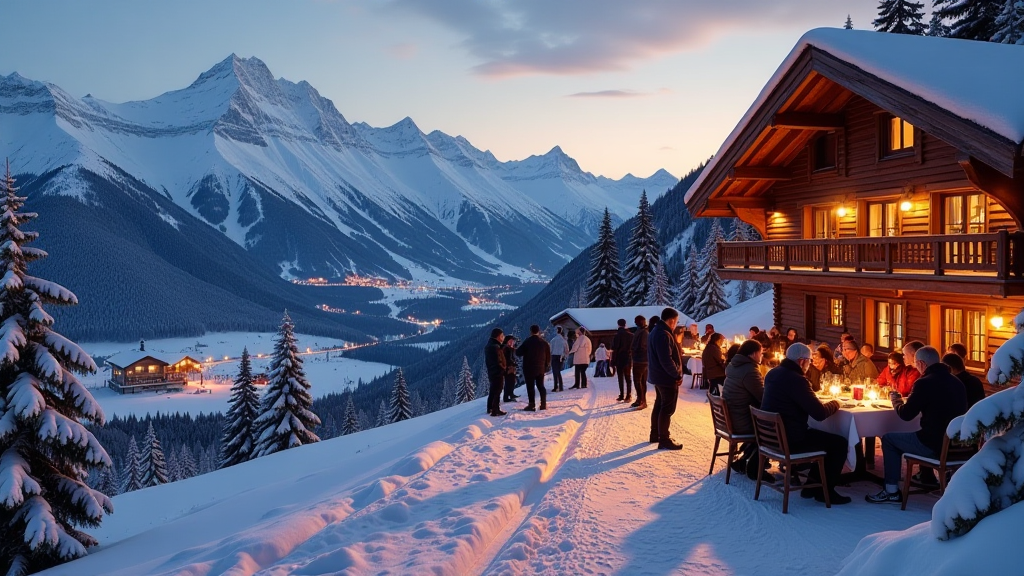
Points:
[723,431]
[696,380]
[771,442]
[951,458]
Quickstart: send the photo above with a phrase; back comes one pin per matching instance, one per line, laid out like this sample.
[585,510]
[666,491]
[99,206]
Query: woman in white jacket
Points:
[581,350]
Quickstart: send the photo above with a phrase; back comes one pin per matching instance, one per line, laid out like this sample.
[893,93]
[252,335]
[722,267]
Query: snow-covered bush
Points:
[993,479]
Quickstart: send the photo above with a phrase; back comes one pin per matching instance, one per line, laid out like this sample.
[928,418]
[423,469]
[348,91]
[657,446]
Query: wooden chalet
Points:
[885,175]
[142,371]
[602,323]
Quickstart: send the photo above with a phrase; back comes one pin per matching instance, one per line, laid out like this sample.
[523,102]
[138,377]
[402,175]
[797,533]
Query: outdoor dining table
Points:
[693,362]
[865,421]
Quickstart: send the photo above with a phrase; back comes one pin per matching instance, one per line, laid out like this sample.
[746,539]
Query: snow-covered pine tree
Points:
[991,480]
[401,404]
[45,450]
[465,388]
[643,256]
[711,298]
[329,429]
[382,414]
[686,291]
[154,467]
[900,17]
[206,462]
[743,232]
[187,463]
[604,284]
[286,417]
[1010,23]
[969,19]
[173,467]
[936,26]
[131,476]
[239,437]
[849,23]
[448,395]
[351,422]
[482,384]
[660,293]
[416,404]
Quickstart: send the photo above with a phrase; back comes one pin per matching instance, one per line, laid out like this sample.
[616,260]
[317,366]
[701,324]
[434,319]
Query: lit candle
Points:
[872,394]
[833,390]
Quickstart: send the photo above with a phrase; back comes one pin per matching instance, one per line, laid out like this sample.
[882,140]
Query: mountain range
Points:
[275,168]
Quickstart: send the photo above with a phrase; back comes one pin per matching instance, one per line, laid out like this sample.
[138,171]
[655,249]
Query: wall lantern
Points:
[996,321]
[841,211]
[906,205]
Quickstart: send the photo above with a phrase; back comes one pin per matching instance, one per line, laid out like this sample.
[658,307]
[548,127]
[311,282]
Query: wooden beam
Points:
[843,281]
[807,121]
[756,217]
[774,173]
[1007,191]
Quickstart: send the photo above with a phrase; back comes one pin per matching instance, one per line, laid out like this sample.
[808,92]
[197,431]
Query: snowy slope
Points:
[574,490]
[276,168]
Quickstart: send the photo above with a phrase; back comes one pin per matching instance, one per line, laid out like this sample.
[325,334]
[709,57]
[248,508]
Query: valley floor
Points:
[573,490]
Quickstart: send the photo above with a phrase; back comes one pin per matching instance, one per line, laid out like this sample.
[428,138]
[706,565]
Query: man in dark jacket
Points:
[972,384]
[622,357]
[638,353]
[494,359]
[666,373]
[511,369]
[938,397]
[743,388]
[788,393]
[536,355]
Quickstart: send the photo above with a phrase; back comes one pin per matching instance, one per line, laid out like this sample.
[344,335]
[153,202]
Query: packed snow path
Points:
[572,490]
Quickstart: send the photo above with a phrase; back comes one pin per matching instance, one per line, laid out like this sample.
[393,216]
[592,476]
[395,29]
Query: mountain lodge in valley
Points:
[885,175]
[143,371]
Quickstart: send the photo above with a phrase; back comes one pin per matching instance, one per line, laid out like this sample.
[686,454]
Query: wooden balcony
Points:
[961,263]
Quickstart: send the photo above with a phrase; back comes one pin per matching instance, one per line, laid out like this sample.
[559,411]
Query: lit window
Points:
[966,327]
[835,316]
[151,368]
[901,135]
[964,214]
[883,219]
[890,321]
[824,223]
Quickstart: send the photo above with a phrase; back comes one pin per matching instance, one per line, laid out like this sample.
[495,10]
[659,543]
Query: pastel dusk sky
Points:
[623,86]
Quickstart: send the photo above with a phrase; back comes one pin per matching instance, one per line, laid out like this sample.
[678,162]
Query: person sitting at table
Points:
[792,337]
[709,330]
[972,384]
[679,334]
[730,353]
[897,375]
[743,388]
[938,397]
[910,350]
[714,364]
[855,365]
[690,337]
[821,363]
[838,354]
[867,350]
[958,349]
[787,392]
[761,336]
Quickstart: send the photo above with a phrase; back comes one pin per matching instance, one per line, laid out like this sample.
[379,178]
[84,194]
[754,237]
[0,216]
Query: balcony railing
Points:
[999,255]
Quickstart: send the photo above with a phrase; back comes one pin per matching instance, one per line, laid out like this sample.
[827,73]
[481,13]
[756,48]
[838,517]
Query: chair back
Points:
[770,431]
[720,414]
[955,451]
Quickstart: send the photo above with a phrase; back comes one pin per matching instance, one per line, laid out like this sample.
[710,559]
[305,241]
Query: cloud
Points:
[610,94]
[402,51]
[529,37]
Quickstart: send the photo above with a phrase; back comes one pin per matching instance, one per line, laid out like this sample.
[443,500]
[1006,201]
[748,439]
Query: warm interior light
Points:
[905,206]
[997,322]
[841,211]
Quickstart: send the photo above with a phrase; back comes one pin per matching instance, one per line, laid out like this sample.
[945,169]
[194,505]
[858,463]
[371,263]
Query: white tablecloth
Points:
[856,423]
[696,366]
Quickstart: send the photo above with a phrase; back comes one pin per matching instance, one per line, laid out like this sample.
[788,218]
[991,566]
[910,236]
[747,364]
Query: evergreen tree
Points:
[401,404]
[711,298]
[1010,23]
[465,388]
[448,395]
[482,384]
[329,429]
[643,258]
[686,294]
[173,467]
[187,464]
[660,293]
[351,423]
[382,414]
[132,474]
[849,23]
[285,419]
[936,27]
[108,482]
[239,437]
[45,450]
[604,286]
[969,19]
[900,17]
[154,467]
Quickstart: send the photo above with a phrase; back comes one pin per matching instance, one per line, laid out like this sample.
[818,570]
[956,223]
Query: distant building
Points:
[602,323]
[143,371]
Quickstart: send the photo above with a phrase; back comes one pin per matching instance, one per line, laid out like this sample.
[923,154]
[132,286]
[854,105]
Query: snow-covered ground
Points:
[573,490]
[327,372]
[737,320]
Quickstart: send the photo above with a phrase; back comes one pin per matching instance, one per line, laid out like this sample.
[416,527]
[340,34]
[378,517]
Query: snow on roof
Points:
[758,311]
[125,359]
[979,81]
[607,318]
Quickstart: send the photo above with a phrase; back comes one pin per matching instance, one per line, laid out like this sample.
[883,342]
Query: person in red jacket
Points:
[897,375]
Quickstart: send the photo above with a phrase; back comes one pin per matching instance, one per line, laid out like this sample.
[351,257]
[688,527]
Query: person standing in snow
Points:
[558,349]
[601,358]
[666,373]
[494,360]
[621,356]
[536,355]
[581,350]
[638,351]
[509,350]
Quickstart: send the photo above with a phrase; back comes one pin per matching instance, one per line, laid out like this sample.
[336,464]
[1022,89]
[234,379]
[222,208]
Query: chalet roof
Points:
[603,319]
[975,83]
[126,359]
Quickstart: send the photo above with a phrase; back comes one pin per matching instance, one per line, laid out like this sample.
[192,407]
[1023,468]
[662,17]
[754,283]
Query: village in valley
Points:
[241,333]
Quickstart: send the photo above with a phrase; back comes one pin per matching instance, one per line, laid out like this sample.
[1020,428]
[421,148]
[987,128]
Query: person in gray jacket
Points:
[558,349]
[743,388]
